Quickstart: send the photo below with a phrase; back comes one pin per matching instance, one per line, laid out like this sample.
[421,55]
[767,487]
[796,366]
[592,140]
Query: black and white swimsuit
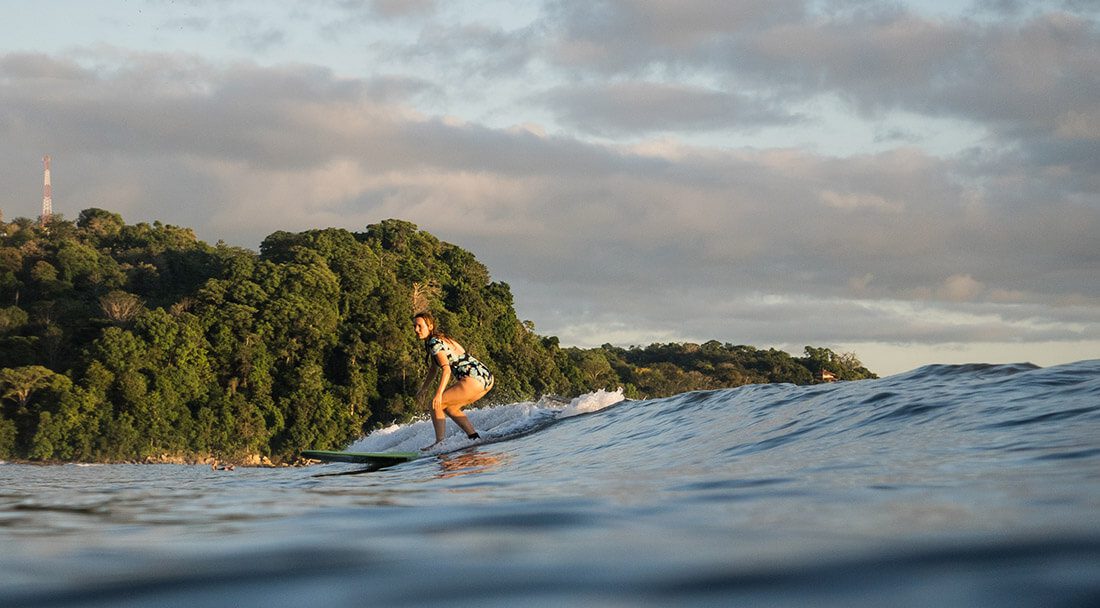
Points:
[463,365]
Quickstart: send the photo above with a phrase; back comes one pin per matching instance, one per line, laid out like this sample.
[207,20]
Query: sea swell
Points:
[950,485]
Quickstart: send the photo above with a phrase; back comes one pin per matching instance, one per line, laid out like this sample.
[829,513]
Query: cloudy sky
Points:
[917,182]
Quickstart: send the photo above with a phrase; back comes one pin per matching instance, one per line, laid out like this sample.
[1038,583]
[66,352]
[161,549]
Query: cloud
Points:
[1016,7]
[960,288]
[251,149]
[640,108]
[389,8]
[791,321]
[1021,79]
[620,36]
[850,202]
[1018,80]
[658,238]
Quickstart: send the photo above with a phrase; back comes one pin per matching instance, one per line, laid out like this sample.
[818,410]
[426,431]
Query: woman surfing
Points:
[472,380]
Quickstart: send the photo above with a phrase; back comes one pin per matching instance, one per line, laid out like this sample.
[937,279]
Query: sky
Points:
[915,182]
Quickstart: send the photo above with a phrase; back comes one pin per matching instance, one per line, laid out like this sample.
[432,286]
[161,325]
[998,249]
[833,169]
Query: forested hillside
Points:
[129,342]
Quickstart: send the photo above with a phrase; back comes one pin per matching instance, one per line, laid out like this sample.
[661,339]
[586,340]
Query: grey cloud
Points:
[403,8]
[839,320]
[1017,7]
[647,107]
[896,135]
[901,216]
[236,151]
[1023,79]
[39,70]
[705,312]
[758,229]
[1006,7]
[163,106]
[760,223]
[623,35]
[875,59]
[399,88]
[388,8]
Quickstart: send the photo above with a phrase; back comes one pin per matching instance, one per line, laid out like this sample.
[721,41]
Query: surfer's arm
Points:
[444,379]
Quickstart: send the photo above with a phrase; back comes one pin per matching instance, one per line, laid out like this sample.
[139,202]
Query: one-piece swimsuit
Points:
[462,366]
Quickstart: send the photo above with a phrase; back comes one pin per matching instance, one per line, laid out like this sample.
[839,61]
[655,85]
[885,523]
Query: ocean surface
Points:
[971,485]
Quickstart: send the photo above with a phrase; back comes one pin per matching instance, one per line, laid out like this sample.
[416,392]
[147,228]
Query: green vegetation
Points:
[131,342]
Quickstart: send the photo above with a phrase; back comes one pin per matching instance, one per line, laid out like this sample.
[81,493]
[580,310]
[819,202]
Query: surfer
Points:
[472,379]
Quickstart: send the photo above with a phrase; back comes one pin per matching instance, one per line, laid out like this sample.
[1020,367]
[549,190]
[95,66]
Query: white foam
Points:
[491,422]
[592,402]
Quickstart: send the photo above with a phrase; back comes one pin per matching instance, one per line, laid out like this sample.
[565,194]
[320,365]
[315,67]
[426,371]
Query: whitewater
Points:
[950,485]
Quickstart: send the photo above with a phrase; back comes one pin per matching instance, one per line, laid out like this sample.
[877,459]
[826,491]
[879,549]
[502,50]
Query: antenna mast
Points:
[47,192]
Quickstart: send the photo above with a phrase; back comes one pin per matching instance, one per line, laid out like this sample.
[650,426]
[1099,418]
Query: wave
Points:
[1050,413]
[493,423]
[956,485]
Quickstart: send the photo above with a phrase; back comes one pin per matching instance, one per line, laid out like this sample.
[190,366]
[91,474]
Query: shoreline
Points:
[252,461]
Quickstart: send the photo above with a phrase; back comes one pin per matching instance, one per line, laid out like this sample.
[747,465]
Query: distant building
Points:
[826,376]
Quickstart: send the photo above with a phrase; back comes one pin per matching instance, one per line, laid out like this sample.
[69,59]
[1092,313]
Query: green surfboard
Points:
[381,459]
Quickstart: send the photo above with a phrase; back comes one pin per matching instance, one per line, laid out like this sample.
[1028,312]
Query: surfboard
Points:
[381,459]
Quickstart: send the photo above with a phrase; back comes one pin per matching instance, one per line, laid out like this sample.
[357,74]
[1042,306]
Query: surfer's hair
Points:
[427,316]
[423,393]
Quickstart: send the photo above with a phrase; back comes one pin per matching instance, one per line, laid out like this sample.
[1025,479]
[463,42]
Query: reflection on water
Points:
[468,463]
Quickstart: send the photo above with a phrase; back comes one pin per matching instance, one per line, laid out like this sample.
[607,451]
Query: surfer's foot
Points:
[473,436]
[426,448]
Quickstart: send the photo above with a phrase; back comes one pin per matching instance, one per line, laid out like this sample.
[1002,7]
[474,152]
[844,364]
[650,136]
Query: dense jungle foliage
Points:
[133,342]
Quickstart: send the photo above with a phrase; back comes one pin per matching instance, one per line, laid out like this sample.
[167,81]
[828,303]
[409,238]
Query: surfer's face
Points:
[421,327]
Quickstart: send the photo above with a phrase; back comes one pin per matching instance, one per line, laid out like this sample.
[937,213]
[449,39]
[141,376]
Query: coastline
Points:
[251,461]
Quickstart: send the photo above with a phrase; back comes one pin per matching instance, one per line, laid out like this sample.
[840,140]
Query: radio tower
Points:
[47,193]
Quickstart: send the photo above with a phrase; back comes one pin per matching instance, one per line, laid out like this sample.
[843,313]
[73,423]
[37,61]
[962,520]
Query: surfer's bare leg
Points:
[457,396]
[461,394]
[462,421]
[439,423]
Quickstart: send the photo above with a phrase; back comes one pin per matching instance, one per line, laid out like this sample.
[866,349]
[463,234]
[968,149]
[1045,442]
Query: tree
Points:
[176,346]
[81,264]
[7,437]
[100,223]
[844,366]
[120,307]
[595,370]
[11,319]
[19,383]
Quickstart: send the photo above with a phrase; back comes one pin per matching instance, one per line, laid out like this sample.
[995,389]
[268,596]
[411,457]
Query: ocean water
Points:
[975,485]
